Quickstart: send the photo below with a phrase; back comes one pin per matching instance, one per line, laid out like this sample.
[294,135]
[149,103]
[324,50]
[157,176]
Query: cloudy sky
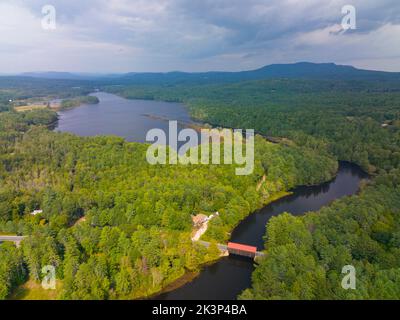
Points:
[195,35]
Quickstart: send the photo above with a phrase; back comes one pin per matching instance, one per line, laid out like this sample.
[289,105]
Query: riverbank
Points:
[188,277]
[68,104]
[229,276]
[130,113]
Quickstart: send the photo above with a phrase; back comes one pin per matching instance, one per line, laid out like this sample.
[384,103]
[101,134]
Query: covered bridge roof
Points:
[242,247]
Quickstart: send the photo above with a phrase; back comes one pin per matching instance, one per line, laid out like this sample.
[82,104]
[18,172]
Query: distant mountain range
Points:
[62,75]
[300,70]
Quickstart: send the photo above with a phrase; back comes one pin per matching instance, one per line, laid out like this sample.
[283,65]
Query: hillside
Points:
[300,70]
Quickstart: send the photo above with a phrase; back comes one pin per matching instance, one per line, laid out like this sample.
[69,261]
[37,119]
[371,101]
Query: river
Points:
[229,276]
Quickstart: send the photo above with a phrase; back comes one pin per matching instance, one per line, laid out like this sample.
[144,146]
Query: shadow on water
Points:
[228,277]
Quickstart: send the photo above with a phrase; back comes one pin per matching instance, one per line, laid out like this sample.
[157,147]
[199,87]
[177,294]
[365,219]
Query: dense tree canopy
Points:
[115,226]
[305,255]
[357,121]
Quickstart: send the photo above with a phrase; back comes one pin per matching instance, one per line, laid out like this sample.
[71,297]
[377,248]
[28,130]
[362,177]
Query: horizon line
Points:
[110,73]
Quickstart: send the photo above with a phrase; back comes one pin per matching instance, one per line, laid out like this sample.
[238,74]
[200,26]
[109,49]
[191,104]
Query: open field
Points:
[30,107]
[32,290]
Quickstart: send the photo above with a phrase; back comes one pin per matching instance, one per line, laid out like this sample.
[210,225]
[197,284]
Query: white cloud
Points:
[377,49]
[161,35]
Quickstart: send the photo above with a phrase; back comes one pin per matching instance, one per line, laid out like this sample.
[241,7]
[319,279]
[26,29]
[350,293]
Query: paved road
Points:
[206,244]
[15,239]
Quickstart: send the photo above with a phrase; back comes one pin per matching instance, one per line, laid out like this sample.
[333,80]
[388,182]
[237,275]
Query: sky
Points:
[114,36]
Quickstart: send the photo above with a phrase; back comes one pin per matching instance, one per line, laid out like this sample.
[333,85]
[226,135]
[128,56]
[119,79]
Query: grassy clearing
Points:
[32,290]
[30,107]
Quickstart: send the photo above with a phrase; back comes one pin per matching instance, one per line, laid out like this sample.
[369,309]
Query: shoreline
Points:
[190,276]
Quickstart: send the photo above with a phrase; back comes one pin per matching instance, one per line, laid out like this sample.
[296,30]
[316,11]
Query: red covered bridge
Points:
[242,250]
[236,248]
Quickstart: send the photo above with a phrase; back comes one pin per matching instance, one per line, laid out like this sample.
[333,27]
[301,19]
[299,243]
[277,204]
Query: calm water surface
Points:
[130,119]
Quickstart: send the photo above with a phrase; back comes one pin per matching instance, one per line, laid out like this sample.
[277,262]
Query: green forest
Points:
[114,226]
[356,121]
[305,255]
[77,101]
[164,152]
[117,228]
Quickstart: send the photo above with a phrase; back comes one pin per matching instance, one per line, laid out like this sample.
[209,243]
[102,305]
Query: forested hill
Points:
[300,70]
